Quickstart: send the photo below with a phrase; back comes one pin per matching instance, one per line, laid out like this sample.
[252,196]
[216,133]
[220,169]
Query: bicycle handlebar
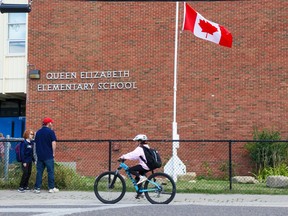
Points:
[121,160]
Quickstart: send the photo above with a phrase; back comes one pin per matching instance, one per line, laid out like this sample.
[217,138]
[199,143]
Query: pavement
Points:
[13,197]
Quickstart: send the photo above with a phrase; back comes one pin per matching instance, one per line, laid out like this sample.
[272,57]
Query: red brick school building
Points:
[107,70]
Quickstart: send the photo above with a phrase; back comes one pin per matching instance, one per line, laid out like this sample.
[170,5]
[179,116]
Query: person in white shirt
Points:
[141,168]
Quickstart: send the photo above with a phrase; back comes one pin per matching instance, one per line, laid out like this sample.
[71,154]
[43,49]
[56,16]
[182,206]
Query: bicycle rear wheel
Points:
[163,195]
[109,187]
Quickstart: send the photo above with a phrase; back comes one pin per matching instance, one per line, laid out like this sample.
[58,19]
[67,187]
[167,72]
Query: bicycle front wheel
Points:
[161,188]
[109,187]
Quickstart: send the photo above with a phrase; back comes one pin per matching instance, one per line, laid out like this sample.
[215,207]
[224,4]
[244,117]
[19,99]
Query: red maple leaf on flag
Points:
[207,27]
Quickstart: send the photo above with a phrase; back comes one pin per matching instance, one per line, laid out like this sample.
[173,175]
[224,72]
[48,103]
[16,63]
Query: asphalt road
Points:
[85,203]
[142,209]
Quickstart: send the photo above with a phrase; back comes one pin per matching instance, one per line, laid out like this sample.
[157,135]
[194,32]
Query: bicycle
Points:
[110,186]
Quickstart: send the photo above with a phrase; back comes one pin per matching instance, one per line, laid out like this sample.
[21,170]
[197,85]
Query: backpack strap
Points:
[144,160]
[147,165]
[144,154]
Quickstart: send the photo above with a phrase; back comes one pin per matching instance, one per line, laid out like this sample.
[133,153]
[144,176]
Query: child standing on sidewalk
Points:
[26,151]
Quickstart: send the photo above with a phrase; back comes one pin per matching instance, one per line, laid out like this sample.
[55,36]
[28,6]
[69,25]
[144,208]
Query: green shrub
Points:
[65,178]
[272,171]
[267,154]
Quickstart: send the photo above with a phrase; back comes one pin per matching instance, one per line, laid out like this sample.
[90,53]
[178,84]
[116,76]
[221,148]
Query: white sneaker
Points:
[37,190]
[142,179]
[54,190]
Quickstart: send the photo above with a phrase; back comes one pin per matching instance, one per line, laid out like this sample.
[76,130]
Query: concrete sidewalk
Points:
[13,197]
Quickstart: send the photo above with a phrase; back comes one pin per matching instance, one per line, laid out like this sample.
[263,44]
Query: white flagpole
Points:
[175,166]
[175,135]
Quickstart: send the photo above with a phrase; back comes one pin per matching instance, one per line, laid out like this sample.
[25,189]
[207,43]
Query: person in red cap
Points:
[46,121]
[45,152]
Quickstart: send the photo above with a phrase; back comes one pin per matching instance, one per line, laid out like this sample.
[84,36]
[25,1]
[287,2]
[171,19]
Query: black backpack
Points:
[153,158]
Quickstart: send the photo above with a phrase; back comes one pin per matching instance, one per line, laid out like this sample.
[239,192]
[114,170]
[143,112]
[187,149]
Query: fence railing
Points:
[196,165]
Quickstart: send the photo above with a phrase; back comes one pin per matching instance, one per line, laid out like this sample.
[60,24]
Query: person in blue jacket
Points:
[27,155]
[45,147]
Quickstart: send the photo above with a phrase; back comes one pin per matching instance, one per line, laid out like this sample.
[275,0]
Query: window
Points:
[16,33]
[12,108]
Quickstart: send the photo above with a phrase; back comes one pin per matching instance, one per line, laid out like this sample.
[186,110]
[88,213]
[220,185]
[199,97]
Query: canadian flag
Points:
[204,28]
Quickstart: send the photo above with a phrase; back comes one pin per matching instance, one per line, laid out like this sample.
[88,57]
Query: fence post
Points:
[230,164]
[110,155]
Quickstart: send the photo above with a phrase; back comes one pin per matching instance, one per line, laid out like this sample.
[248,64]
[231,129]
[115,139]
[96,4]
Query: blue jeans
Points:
[49,164]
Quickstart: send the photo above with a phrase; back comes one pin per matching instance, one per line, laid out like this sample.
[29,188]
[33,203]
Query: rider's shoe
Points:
[138,196]
[142,179]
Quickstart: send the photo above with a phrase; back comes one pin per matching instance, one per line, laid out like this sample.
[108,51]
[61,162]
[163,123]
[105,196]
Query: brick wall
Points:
[222,93]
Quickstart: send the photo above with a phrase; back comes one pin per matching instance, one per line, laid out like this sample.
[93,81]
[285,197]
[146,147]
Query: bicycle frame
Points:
[126,168]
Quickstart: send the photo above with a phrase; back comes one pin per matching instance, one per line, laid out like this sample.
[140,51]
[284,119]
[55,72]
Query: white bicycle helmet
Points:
[142,137]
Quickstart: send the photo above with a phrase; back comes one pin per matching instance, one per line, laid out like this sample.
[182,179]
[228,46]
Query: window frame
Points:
[20,40]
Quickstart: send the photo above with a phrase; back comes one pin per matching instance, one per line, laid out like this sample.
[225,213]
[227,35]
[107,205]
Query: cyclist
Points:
[141,168]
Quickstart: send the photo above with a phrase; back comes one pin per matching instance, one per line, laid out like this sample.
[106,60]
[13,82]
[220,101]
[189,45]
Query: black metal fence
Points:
[208,166]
